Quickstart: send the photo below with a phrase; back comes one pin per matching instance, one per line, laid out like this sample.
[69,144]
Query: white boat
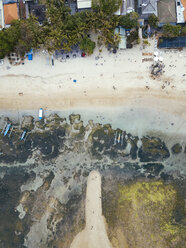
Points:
[119,137]
[115,138]
[40,114]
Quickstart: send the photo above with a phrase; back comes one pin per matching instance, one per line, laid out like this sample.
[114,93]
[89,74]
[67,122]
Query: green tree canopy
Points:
[129,20]
[153,21]
[61,30]
[183,31]
[171,31]
[87,45]
[106,6]
[20,37]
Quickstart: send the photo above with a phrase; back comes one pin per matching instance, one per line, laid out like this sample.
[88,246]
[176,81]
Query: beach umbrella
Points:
[156,59]
[161,59]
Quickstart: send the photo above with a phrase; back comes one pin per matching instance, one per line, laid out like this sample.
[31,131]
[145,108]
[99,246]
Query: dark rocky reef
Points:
[153,149]
[54,134]
[58,156]
[176,149]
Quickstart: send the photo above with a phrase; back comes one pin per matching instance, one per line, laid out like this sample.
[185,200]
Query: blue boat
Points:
[7,129]
[4,128]
[40,114]
[23,135]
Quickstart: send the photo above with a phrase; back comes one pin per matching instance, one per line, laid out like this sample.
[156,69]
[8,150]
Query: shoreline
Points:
[138,113]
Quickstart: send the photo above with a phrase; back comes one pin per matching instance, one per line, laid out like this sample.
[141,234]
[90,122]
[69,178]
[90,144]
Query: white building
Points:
[180,12]
[84,4]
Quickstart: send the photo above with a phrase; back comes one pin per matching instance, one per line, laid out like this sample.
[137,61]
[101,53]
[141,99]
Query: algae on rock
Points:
[144,212]
[153,149]
[177,148]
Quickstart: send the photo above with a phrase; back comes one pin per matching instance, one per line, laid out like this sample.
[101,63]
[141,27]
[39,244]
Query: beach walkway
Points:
[94,235]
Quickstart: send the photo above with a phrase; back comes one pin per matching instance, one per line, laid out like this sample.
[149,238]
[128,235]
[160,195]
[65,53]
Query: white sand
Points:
[94,235]
[53,88]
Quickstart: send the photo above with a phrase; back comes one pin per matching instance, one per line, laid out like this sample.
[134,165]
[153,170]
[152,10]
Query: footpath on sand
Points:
[94,235]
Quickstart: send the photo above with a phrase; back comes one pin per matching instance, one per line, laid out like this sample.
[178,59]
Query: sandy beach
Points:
[94,235]
[101,80]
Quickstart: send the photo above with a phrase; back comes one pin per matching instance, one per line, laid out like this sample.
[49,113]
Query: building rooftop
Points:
[121,31]
[9,1]
[148,6]
[179,12]
[84,4]
[167,11]
[177,42]
[38,11]
[10,13]
[1,15]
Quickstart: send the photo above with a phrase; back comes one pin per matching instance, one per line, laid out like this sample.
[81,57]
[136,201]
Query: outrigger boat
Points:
[4,127]
[115,138]
[119,137]
[7,129]
[23,135]
[40,114]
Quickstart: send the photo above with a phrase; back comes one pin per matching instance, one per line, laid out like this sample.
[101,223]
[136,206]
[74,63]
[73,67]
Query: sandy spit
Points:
[94,235]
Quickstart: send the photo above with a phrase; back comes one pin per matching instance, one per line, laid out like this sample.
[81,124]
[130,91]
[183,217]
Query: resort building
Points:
[168,16]
[177,42]
[147,8]
[10,13]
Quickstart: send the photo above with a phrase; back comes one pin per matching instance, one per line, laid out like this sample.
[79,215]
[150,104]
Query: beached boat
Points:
[7,129]
[40,114]
[23,135]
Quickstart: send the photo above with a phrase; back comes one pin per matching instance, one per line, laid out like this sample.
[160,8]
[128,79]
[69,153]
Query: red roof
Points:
[184,5]
[10,12]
